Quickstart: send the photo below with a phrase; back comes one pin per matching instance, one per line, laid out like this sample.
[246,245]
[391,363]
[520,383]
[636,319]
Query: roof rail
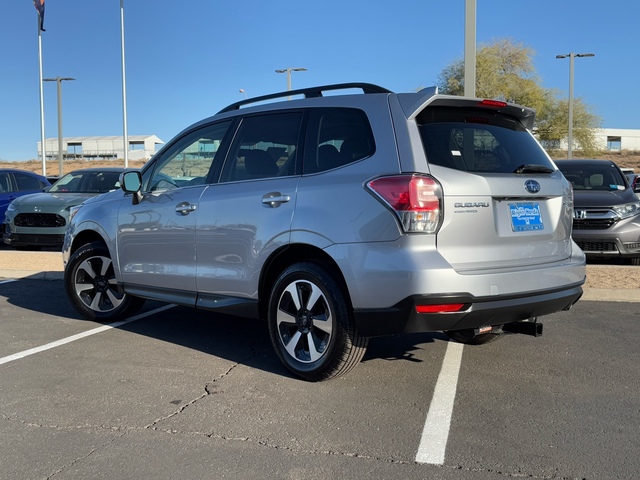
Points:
[308,93]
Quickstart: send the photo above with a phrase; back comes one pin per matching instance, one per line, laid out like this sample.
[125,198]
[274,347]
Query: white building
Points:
[141,147]
[618,139]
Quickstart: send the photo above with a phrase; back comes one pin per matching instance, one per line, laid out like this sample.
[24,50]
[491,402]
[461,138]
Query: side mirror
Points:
[131,182]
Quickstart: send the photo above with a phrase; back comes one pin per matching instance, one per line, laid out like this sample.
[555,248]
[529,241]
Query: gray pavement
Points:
[47,265]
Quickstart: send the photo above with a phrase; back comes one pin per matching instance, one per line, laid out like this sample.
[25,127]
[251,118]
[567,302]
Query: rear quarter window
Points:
[479,141]
[337,137]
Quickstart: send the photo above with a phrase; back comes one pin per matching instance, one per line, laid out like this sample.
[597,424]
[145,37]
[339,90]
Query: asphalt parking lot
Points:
[179,393]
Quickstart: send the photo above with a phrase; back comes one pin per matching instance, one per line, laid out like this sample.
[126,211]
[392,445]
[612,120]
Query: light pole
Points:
[470,48]
[570,134]
[59,81]
[125,130]
[288,72]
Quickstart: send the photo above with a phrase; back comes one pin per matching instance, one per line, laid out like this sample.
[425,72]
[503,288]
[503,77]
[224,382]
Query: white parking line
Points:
[433,442]
[73,338]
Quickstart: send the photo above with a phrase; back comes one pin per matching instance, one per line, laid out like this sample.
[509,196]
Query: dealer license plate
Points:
[525,217]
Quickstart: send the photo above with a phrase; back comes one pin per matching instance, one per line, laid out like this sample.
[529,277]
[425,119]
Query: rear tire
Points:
[311,324]
[90,283]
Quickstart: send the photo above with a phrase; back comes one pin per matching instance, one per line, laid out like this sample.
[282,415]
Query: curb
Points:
[611,295]
[31,275]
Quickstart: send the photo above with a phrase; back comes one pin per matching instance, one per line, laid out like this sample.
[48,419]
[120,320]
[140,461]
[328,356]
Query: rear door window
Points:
[265,146]
[478,140]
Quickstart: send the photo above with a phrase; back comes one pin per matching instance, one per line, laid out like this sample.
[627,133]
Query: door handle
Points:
[275,199]
[185,208]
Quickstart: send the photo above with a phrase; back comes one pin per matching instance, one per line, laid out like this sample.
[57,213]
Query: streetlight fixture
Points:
[245,93]
[59,81]
[288,72]
[570,134]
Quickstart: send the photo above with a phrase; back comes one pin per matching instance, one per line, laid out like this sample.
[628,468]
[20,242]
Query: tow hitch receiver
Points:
[530,327]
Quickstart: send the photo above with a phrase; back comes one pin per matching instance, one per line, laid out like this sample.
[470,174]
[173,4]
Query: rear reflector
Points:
[441,308]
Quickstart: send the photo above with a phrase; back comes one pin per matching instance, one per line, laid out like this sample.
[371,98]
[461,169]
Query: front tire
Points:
[311,324]
[90,283]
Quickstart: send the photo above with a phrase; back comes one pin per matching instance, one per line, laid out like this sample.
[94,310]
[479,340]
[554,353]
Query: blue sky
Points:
[187,59]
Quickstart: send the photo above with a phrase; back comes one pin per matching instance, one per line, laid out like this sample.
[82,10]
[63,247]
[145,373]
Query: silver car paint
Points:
[212,250]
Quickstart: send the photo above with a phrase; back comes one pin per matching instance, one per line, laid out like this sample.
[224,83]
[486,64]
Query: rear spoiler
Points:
[414,103]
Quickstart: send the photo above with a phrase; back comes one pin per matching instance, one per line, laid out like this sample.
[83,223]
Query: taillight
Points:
[416,200]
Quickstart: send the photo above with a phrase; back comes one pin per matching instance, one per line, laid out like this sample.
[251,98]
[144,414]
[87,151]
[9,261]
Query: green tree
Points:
[505,71]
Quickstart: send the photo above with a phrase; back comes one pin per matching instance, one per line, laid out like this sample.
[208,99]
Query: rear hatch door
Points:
[505,203]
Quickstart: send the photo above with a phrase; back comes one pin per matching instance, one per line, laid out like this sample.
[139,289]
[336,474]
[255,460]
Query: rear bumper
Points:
[476,312]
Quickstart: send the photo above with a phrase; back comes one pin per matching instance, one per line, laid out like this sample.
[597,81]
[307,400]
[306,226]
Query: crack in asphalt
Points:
[124,430]
[121,431]
[207,391]
[73,462]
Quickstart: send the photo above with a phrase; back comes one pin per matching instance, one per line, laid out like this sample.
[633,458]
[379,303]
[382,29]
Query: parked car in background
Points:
[14,183]
[40,219]
[633,181]
[337,218]
[606,215]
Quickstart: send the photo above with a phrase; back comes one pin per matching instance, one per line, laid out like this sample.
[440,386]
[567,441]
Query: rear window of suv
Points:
[478,140]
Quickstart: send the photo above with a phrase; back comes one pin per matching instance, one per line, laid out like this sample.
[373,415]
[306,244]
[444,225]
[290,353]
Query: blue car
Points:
[14,183]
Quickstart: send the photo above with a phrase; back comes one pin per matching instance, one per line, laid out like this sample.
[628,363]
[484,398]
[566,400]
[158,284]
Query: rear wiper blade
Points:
[532,168]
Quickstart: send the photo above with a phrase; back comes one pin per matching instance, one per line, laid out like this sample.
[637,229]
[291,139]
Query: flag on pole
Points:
[39,4]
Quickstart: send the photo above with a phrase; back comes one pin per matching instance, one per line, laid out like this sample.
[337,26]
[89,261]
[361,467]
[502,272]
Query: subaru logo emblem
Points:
[532,186]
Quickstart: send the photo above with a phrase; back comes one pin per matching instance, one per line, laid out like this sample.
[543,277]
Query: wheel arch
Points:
[288,255]
[84,237]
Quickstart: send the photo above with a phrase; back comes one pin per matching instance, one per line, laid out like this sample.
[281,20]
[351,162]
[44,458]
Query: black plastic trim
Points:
[477,312]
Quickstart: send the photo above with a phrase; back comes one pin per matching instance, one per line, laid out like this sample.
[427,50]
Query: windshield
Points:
[593,177]
[86,182]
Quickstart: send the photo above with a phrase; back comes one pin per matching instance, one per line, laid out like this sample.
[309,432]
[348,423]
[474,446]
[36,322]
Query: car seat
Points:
[259,164]
[328,157]
[595,181]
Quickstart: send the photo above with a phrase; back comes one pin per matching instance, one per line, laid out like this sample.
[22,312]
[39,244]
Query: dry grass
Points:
[53,167]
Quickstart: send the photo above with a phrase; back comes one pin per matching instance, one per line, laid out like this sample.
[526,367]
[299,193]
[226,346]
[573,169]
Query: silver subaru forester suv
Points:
[337,218]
